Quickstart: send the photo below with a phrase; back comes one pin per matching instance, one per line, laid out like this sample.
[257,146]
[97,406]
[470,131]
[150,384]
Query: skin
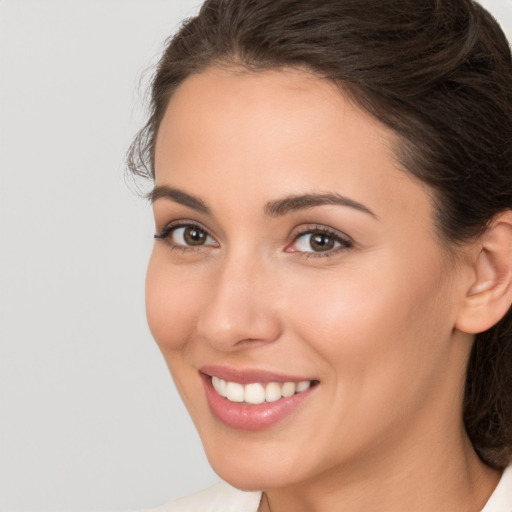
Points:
[374,322]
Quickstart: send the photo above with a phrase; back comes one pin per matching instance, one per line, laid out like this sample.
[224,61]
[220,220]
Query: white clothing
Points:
[224,498]
[218,498]
[501,499]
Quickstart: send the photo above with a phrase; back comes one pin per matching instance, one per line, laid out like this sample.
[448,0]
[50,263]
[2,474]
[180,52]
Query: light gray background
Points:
[89,417]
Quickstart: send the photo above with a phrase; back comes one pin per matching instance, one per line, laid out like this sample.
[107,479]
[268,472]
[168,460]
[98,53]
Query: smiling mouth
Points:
[253,399]
[257,393]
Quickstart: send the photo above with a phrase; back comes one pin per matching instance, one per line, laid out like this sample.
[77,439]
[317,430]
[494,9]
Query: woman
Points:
[332,273]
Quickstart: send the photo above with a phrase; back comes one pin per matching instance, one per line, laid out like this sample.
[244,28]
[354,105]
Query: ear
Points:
[489,296]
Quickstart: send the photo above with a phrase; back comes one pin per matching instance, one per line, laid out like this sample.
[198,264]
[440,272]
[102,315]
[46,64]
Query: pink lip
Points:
[248,376]
[250,417]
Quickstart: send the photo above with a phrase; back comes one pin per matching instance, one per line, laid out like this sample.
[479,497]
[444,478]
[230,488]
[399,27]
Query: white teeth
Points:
[234,392]
[288,389]
[302,386]
[256,393]
[272,392]
[219,385]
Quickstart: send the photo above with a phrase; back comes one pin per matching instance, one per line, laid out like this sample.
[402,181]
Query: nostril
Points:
[256,329]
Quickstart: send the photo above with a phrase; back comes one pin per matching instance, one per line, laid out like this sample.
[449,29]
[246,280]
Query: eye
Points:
[319,240]
[186,236]
[190,235]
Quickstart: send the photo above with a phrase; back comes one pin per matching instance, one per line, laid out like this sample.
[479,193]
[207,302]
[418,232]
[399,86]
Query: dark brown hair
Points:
[438,73]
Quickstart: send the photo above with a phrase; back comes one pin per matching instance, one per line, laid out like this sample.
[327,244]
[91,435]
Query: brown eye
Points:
[317,241]
[192,235]
[188,235]
[320,242]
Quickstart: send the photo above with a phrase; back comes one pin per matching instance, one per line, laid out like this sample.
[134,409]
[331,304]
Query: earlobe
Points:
[489,296]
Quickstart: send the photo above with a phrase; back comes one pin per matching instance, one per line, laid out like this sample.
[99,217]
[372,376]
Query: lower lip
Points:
[243,416]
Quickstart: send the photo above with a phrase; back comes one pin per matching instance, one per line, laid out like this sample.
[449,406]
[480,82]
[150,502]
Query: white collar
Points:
[501,499]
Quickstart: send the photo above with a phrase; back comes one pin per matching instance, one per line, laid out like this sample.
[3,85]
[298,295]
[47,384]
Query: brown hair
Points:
[438,72]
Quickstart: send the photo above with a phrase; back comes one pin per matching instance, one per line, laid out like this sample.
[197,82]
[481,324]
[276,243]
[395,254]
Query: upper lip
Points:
[248,375]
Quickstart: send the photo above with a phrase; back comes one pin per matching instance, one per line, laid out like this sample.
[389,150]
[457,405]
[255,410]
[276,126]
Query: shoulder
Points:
[218,498]
[501,499]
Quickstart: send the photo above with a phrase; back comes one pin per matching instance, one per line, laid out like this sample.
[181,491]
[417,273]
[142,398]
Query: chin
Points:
[252,479]
[255,471]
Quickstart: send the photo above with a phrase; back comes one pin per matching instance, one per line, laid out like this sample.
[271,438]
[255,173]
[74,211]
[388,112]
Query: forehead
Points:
[276,133]
[265,100]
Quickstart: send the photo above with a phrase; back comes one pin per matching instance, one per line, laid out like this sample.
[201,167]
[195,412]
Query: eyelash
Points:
[344,241]
[167,231]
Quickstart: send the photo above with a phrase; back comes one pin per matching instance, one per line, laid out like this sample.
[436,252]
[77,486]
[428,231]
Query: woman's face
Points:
[298,266]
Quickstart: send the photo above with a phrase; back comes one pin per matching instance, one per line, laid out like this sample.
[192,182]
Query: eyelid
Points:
[165,234]
[345,241]
[342,239]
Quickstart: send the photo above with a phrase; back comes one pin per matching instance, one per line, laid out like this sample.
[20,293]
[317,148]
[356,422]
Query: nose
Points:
[240,308]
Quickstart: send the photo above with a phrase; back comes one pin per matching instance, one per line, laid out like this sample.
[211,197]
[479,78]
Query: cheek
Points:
[395,314]
[383,342]
[171,303]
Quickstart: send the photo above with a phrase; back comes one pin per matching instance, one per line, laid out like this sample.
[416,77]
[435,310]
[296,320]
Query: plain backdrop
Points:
[89,417]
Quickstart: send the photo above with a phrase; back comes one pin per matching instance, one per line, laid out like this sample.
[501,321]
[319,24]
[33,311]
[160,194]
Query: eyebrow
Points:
[178,196]
[302,202]
[275,208]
